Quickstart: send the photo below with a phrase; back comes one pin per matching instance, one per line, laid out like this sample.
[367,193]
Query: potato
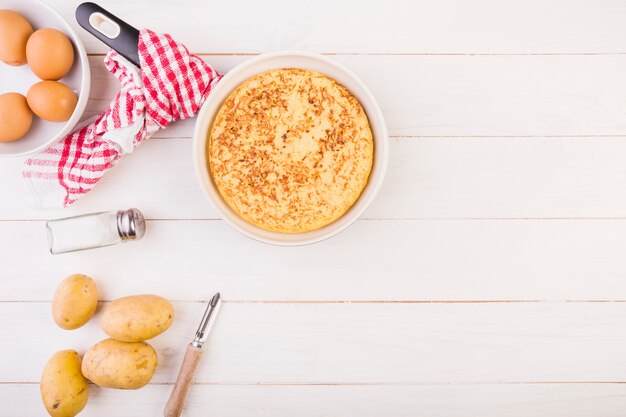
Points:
[125,365]
[74,301]
[137,318]
[64,389]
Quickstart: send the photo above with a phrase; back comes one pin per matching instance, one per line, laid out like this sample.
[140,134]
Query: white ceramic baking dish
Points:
[19,80]
[277,60]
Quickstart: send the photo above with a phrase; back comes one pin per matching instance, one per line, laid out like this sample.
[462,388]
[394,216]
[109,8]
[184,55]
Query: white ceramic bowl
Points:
[277,60]
[19,79]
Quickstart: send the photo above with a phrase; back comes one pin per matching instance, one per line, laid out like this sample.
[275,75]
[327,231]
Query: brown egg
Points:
[50,54]
[51,100]
[14,33]
[15,117]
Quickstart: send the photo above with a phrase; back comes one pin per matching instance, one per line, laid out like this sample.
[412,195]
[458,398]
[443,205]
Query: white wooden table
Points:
[487,279]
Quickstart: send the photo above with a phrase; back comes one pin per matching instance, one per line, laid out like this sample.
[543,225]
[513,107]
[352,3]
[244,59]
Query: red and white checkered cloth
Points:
[172,84]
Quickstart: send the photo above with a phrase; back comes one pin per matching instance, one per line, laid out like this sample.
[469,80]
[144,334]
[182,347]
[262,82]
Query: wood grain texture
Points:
[176,402]
[379,26]
[486,400]
[345,343]
[467,95]
[428,178]
[372,260]
[506,182]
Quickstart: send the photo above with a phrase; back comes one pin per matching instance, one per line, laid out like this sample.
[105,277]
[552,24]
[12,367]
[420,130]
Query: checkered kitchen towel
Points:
[172,84]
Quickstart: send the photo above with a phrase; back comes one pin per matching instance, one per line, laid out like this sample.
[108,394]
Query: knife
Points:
[174,406]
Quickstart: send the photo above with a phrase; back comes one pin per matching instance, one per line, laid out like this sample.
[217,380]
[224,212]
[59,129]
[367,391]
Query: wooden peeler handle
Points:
[174,406]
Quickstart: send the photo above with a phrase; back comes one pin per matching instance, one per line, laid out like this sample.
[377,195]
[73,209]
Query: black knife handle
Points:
[110,29]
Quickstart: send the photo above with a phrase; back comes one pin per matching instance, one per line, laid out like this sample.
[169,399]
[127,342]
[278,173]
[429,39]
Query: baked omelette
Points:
[290,150]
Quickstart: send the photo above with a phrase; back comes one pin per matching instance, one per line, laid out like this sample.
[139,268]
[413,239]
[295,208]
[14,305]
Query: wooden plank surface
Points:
[428,178]
[486,400]
[371,261]
[379,26]
[504,199]
[347,343]
[468,95]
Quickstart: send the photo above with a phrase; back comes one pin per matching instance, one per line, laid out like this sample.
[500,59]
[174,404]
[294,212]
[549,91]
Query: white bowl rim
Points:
[204,122]
[83,96]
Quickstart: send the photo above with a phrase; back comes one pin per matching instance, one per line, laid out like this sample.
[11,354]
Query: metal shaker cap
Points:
[131,225]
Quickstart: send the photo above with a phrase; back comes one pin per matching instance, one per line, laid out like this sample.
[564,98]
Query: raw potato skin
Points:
[64,389]
[123,365]
[137,318]
[74,302]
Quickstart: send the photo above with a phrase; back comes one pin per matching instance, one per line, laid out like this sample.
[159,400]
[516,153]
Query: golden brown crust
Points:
[290,150]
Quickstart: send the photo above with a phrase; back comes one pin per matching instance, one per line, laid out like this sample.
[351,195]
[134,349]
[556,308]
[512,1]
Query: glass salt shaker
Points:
[95,230]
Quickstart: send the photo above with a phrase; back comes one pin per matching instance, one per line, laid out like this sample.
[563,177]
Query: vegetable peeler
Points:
[174,406]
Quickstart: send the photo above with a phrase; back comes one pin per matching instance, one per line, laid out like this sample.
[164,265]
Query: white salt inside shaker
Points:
[95,230]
